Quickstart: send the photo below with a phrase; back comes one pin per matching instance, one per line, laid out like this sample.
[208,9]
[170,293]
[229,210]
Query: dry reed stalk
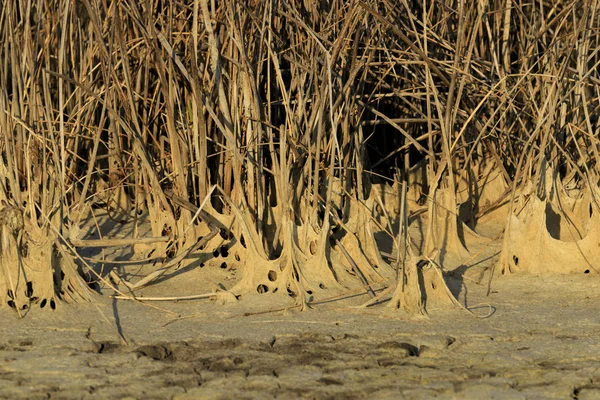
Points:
[297,111]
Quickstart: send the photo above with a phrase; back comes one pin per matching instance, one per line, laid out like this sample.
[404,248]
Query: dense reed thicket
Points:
[282,119]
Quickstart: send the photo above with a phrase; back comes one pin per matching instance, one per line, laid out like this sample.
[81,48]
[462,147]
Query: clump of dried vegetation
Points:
[294,132]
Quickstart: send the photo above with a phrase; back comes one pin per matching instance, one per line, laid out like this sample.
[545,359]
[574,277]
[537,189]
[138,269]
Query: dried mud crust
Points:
[545,347]
[346,366]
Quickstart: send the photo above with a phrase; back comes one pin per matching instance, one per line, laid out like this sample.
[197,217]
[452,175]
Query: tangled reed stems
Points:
[297,111]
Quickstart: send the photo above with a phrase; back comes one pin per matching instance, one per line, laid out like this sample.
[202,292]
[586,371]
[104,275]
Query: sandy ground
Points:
[541,342]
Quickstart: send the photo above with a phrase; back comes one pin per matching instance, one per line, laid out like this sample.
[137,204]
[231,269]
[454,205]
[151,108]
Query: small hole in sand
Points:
[224,265]
[62,276]
[378,209]
[243,241]
[275,290]
[43,303]
[591,210]
[11,304]
[272,275]
[166,231]
[291,293]
[433,285]
[216,253]
[224,251]
[225,234]
[201,265]
[10,294]
[262,289]
[52,304]
[172,252]
[309,292]
[322,286]
[237,257]
[516,260]
[313,247]
[587,271]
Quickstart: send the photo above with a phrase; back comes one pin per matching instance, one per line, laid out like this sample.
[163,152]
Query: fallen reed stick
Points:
[168,298]
[92,243]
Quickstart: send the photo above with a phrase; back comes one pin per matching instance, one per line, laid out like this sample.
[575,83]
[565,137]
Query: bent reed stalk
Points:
[298,112]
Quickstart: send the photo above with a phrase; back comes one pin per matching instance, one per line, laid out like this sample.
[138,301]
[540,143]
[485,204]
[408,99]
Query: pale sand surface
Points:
[543,341]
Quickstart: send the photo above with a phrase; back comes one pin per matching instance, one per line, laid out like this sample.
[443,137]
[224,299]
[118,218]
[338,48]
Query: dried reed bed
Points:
[272,125]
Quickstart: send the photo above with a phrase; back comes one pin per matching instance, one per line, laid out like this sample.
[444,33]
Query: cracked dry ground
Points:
[542,342]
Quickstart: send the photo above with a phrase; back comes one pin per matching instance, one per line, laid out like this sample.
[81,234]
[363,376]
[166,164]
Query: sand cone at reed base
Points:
[37,271]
